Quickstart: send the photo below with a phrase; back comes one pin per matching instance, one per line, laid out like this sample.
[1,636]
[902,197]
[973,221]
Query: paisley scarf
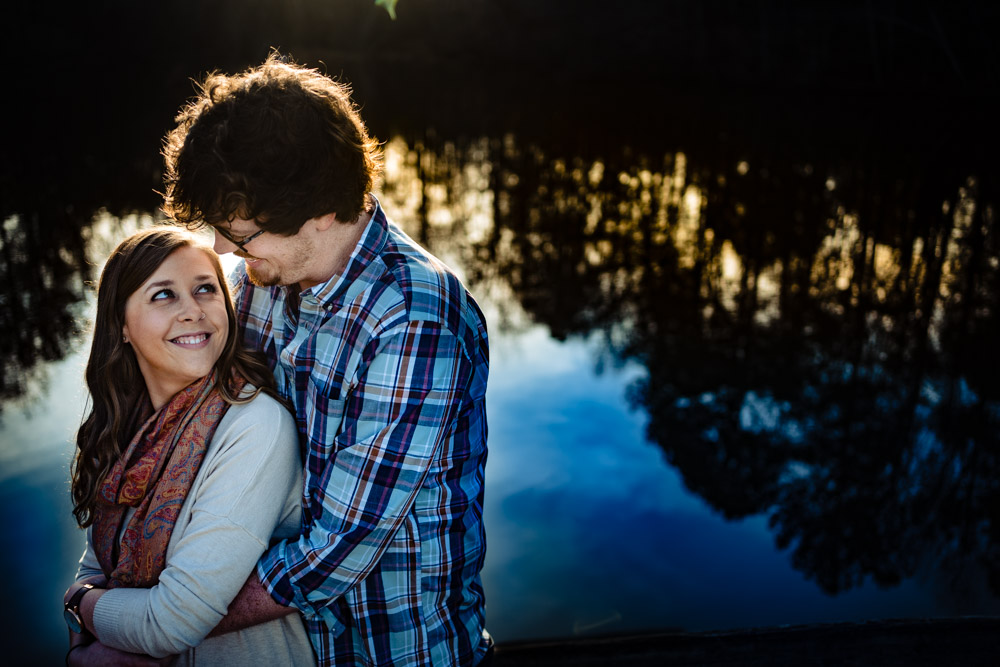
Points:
[154,476]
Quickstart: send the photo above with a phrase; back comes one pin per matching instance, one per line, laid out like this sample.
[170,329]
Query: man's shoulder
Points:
[427,289]
[427,284]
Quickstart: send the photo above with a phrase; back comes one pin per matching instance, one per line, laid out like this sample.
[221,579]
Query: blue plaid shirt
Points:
[386,366]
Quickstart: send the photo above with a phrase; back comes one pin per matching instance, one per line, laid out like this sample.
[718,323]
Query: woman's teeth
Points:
[190,340]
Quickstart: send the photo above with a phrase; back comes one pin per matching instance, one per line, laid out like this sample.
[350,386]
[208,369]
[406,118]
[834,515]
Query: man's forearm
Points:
[251,606]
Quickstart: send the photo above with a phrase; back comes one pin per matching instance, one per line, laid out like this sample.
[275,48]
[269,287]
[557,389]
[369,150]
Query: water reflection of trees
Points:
[42,268]
[47,259]
[819,338]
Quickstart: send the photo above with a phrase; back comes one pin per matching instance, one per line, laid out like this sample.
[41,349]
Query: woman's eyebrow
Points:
[159,283]
[169,281]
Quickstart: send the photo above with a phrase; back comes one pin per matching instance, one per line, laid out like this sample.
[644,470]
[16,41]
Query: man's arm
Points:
[252,605]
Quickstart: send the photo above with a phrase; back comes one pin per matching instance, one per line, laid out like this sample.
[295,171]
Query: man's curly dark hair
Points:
[278,144]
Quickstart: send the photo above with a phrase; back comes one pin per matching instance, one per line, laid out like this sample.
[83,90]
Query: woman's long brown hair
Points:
[118,396]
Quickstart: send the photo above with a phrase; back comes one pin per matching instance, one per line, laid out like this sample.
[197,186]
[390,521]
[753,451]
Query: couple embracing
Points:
[292,474]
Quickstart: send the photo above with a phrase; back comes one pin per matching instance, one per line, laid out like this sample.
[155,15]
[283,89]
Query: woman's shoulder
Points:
[263,417]
[262,403]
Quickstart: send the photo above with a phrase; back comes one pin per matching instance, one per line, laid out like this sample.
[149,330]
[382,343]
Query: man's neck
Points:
[351,239]
[341,239]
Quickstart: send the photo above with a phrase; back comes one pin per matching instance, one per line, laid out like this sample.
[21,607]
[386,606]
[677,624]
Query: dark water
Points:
[743,306]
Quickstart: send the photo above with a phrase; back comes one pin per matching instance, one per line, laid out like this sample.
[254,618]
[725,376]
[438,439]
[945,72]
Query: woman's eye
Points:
[163,294]
[207,288]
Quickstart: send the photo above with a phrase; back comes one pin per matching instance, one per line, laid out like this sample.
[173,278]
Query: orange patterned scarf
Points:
[154,476]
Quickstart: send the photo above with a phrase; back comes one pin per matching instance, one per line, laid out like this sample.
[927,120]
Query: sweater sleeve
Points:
[247,485]
[89,565]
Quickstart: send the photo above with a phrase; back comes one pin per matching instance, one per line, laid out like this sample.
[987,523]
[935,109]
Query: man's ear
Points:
[323,222]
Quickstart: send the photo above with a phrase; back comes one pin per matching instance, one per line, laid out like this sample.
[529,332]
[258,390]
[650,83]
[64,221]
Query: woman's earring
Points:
[124,340]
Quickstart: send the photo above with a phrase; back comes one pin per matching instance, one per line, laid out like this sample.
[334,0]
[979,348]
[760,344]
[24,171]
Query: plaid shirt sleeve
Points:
[396,417]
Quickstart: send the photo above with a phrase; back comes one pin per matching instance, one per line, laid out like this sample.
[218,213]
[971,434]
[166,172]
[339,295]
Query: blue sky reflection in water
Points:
[672,371]
[40,543]
[591,531]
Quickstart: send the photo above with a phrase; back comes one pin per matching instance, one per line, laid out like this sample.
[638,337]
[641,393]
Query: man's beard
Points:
[280,270]
[268,280]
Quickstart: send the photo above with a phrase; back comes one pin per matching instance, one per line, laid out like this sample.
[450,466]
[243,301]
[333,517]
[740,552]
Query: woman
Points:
[186,466]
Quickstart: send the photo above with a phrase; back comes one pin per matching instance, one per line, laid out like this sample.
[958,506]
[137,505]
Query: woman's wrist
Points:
[97,580]
[87,605]
[73,588]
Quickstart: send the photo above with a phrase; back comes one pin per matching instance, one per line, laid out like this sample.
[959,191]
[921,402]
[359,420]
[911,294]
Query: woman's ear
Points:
[125,334]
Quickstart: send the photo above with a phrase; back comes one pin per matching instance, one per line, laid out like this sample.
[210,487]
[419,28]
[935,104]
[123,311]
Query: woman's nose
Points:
[191,310]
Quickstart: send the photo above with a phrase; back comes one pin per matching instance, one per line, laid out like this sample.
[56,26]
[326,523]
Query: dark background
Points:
[902,98]
[91,88]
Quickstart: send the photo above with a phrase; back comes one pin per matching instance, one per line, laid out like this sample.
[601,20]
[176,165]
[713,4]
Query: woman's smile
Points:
[195,341]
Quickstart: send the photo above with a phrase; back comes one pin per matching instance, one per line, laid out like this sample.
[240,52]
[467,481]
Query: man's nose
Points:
[222,245]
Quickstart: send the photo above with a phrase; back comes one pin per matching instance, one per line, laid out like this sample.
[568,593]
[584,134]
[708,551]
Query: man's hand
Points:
[97,653]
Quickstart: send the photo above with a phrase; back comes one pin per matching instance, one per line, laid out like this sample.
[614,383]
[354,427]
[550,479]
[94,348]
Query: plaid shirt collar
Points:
[342,287]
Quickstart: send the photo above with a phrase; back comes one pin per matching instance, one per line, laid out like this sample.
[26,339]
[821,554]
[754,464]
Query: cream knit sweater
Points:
[246,493]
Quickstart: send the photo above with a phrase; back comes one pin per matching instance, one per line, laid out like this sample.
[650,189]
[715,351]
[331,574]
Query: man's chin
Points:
[261,281]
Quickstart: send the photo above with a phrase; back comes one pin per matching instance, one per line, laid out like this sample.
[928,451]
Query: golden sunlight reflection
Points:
[957,253]
[833,265]
[730,273]
[527,229]
[768,291]
[687,231]
[886,263]
[437,195]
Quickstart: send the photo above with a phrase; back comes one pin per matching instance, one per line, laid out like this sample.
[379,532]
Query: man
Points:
[380,349]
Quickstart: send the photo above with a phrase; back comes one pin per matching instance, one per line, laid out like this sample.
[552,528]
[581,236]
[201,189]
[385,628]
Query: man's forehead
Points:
[237,224]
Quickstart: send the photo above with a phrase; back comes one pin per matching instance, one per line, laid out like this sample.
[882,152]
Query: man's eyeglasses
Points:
[241,244]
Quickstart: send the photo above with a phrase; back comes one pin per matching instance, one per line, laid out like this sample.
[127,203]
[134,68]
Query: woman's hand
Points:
[96,653]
